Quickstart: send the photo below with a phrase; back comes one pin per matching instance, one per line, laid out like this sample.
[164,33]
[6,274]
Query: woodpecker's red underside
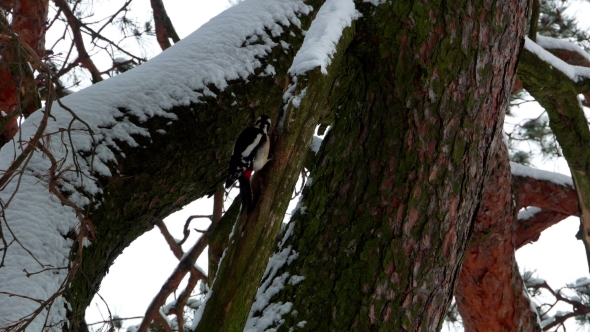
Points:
[248,174]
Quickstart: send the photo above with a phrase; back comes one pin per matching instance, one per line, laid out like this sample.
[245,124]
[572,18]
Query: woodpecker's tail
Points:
[246,193]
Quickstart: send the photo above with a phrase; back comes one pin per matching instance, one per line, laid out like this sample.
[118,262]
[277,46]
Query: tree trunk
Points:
[417,94]
[490,293]
[18,90]
[378,241]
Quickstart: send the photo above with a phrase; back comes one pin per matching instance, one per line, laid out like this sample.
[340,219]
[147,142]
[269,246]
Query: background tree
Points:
[423,96]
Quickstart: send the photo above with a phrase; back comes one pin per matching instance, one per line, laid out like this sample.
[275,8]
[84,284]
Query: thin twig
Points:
[183,267]
[118,318]
[187,223]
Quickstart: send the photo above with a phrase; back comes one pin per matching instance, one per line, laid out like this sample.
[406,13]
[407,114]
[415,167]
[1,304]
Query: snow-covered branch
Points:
[575,73]
[116,121]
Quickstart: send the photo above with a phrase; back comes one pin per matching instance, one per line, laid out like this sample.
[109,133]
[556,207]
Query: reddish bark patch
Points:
[490,293]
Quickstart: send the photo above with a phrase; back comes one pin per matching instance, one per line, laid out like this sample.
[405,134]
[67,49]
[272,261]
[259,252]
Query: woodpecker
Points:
[250,154]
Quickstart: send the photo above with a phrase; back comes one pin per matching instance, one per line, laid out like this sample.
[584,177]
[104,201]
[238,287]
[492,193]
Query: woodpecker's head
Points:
[263,123]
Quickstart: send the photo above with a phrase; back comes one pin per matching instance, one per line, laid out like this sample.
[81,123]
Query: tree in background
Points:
[412,179]
[83,37]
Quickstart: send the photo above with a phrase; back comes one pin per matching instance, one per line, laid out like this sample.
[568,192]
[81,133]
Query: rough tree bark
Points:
[417,91]
[490,293]
[380,237]
[490,266]
[18,90]
[164,27]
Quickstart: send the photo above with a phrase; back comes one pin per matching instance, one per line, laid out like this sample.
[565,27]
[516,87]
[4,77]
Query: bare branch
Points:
[75,26]
[185,231]
[112,17]
[118,318]
[183,267]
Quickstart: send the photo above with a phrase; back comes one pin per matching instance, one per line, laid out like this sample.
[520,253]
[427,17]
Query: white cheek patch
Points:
[251,147]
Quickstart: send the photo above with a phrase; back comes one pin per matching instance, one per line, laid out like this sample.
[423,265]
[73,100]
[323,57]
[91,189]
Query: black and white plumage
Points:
[250,154]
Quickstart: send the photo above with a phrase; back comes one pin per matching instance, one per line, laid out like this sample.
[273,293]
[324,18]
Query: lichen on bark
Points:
[399,177]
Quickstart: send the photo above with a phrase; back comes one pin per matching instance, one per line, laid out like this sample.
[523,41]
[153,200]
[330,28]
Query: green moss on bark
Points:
[398,179]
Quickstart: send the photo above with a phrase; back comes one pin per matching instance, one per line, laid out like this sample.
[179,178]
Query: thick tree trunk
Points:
[490,293]
[417,92]
[379,239]
[18,90]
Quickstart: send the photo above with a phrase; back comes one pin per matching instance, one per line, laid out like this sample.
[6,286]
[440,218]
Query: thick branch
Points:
[534,21]
[557,201]
[557,93]
[529,230]
[164,27]
[545,194]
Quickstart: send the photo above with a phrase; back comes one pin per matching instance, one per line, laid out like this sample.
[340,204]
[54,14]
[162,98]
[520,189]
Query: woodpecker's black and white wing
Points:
[250,154]
[245,149]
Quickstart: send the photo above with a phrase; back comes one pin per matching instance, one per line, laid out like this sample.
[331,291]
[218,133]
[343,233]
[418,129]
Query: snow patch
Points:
[263,313]
[296,101]
[316,143]
[550,43]
[526,171]
[575,73]
[528,212]
[323,35]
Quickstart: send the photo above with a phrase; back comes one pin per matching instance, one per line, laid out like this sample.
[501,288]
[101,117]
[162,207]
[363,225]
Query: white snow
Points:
[582,282]
[316,143]
[264,313]
[575,73]
[533,305]
[120,60]
[526,171]
[528,212]
[550,43]
[323,35]
[296,101]
[199,312]
[214,54]
[375,2]
[560,313]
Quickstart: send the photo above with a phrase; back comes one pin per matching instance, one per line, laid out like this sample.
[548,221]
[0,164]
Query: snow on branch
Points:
[323,35]
[575,73]
[265,313]
[550,43]
[526,171]
[84,134]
